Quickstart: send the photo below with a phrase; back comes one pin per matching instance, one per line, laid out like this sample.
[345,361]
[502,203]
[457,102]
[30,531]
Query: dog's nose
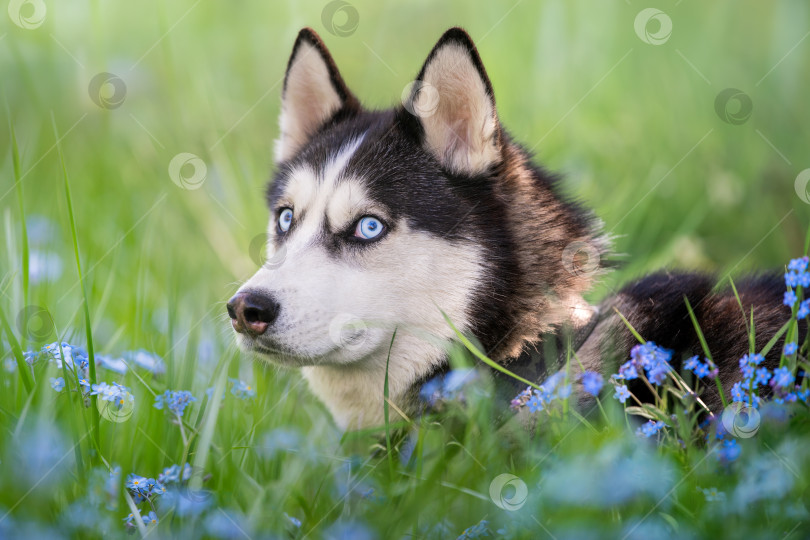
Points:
[252,312]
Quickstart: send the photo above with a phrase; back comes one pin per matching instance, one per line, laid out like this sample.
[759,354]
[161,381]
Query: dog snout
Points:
[252,312]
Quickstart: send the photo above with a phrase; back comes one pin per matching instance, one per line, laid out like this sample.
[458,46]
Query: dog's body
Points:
[394,220]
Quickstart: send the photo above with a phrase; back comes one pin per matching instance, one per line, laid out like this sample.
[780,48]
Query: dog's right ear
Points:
[314,92]
[452,107]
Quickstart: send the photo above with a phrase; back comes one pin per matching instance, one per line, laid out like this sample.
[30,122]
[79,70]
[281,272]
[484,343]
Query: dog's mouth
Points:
[274,351]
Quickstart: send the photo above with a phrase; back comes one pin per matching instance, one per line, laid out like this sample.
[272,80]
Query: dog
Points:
[397,221]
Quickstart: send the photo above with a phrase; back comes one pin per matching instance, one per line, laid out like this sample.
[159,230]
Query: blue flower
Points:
[136,483]
[702,370]
[592,382]
[241,389]
[658,374]
[790,299]
[782,378]
[747,371]
[479,530]
[804,309]
[736,392]
[147,360]
[650,428]
[440,388]
[151,518]
[174,401]
[622,393]
[729,451]
[628,371]
[652,358]
[713,495]
[791,348]
[293,520]
[113,364]
[751,360]
[792,279]
[520,400]
[75,358]
[114,393]
[169,475]
[692,363]
[174,474]
[535,403]
[798,265]
[58,383]
[763,375]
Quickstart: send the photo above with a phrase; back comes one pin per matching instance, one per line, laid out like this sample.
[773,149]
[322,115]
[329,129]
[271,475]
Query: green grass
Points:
[148,265]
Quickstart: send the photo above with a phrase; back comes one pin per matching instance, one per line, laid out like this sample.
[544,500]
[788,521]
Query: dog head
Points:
[398,218]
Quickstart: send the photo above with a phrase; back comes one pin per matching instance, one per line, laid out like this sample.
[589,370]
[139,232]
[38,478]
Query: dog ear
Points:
[453,101]
[314,92]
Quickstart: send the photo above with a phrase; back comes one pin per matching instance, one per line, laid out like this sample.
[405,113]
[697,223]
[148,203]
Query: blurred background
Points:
[166,113]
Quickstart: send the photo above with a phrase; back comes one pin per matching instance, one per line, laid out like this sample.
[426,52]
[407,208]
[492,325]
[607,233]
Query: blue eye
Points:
[368,227]
[285,219]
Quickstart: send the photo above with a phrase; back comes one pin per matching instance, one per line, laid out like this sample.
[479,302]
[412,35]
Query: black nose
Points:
[252,312]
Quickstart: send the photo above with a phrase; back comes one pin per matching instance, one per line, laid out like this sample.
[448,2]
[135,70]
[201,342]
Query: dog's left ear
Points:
[453,102]
[314,93]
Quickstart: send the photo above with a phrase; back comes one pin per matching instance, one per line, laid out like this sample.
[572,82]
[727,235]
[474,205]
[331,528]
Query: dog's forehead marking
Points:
[325,193]
[337,163]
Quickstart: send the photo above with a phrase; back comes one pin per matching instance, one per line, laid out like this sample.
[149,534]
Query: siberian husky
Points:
[428,212]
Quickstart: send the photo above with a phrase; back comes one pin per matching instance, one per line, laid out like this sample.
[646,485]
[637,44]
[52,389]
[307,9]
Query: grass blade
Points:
[87,322]
[15,160]
[386,407]
[630,327]
[209,423]
[484,358]
[22,366]
[768,346]
[705,347]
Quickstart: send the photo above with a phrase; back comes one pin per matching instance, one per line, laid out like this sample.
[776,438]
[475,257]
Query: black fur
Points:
[655,307]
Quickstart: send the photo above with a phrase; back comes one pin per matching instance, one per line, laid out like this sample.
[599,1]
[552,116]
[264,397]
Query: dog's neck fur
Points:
[354,394]
[548,289]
